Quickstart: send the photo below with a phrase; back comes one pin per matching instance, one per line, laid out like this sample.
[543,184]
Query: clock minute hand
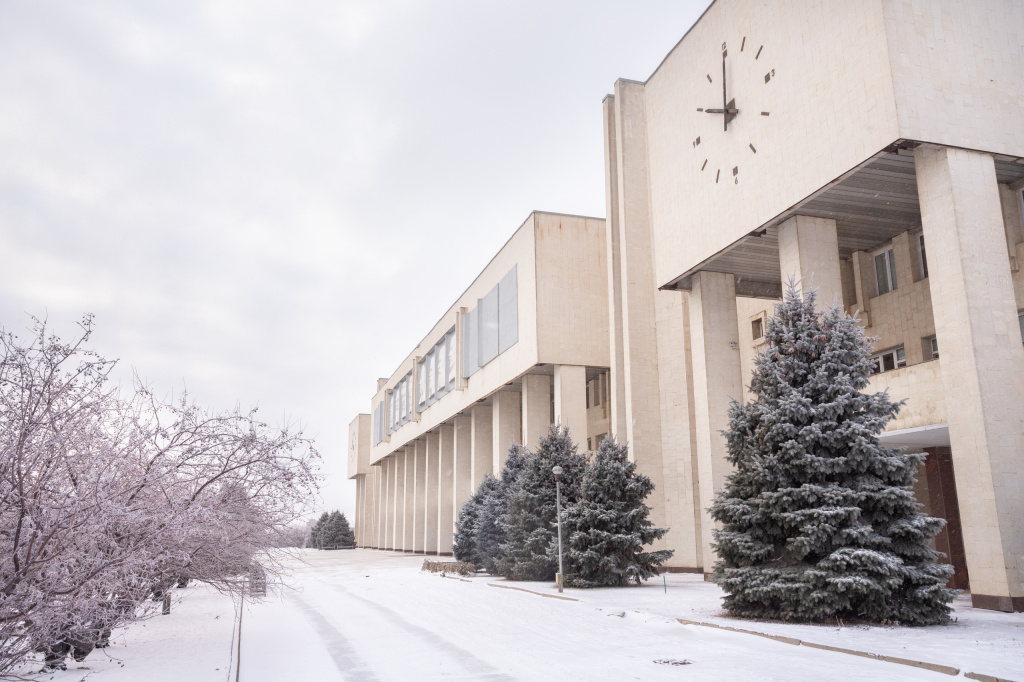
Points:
[722,111]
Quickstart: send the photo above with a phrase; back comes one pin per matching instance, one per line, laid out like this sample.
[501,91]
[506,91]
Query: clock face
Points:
[737,103]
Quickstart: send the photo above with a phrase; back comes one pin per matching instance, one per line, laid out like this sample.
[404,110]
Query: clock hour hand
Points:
[720,111]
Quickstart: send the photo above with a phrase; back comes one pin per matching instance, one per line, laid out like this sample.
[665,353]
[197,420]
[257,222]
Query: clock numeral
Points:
[770,75]
[751,145]
[696,142]
[704,164]
[758,52]
[743,43]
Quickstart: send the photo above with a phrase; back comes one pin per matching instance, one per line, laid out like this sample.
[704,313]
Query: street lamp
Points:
[557,471]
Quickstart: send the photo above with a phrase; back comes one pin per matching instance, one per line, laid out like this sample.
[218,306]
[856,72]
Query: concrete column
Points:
[398,501]
[482,443]
[506,420]
[717,379]
[384,522]
[419,495]
[809,252]
[406,489]
[536,410]
[982,364]
[357,520]
[571,401]
[446,489]
[462,463]
[613,186]
[433,459]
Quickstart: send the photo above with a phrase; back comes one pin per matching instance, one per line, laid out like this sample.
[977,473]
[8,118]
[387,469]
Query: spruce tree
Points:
[316,533]
[490,525]
[346,536]
[530,523]
[607,529]
[819,520]
[464,545]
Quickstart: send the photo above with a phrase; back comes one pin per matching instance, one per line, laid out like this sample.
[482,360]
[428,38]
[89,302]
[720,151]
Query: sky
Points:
[271,203]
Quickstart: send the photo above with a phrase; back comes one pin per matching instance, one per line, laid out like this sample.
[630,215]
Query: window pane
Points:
[421,384]
[1020,320]
[881,276]
[888,362]
[430,375]
[935,346]
[442,357]
[901,358]
[892,269]
[924,257]
[875,365]
[450,345]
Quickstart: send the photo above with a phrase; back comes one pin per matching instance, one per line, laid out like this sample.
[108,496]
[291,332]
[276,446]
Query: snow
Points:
[369,615]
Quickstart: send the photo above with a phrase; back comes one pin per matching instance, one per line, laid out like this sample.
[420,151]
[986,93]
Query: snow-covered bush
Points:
[607,530]
[108,497]
[819,520]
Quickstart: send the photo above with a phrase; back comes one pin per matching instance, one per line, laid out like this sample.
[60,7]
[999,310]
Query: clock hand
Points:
[721,111]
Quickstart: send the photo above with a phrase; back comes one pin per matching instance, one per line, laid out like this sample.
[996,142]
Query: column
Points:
[536,410]
[617,386]
[357,520]
[482,443]
[418,494]
[506,420]
[462,463]
[982,364]
[809,252]
[433,458]
[446,489]
[384,513]
[717,379]
[571,401]
[398,501]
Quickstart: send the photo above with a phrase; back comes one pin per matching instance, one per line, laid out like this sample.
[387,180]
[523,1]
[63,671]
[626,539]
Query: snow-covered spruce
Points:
[607,529]
[819,520]
[530,521]
[332,531]
[490,524]
[464,546]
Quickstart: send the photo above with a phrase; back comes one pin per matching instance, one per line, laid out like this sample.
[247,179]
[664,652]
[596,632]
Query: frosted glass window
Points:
[421,384]
[508,311]
[450,352]
[487,327]
[441,359]
[469,344]
[431,375]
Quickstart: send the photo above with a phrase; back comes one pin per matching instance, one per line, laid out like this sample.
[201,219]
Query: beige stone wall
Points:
[359,445]
[958,71]
[830,103]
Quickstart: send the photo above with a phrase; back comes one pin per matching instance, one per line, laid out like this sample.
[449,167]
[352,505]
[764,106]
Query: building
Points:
[830,142]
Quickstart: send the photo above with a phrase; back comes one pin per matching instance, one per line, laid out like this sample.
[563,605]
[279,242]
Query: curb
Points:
[934,667]
[539,594]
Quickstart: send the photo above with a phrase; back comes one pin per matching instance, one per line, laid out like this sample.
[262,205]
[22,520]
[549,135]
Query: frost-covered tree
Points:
[819,520]
[464,546]
[332,531]
[319,530]
[530,519]
[490,525]
[607,530]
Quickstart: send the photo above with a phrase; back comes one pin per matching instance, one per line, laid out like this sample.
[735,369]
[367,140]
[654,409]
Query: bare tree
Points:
[107,499]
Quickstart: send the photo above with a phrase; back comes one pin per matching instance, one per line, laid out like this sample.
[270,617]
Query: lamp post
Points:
[557,471]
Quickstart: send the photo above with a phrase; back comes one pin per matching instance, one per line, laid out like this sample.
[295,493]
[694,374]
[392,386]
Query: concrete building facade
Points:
[870,150]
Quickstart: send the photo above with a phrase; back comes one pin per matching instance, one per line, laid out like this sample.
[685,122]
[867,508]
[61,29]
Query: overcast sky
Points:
[272,203]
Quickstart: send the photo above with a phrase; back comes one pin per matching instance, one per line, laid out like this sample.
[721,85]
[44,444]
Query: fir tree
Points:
[490,525]
[316,533]
[346,537]
[819,520]
[464,545]
[608,528]
[530,523]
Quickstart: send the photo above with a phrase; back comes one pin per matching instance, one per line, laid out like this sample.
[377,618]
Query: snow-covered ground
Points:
[367,615]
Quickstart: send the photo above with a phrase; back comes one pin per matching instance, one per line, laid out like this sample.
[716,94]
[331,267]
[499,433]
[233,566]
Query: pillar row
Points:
[717,379]
[982,364]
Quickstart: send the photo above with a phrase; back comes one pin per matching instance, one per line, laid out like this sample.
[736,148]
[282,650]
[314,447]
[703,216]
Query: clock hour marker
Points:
[709,78]
[758,52]
[735,170]
[696,142]
[700,108]
[717,173]
[764,113]
[743,43]
[752,148]
[704,164]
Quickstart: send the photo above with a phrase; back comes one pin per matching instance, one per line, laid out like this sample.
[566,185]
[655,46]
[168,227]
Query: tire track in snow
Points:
[350,665]
[478,668]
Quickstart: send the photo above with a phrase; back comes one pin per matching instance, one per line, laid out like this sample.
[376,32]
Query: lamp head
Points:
[557,471]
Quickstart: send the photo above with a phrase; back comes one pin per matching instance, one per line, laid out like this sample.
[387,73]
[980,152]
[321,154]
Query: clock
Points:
[746,67]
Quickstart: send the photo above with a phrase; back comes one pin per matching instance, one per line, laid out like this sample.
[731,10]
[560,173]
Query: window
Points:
[885,271]
[931,347]
[889,360]
[924,258]
[756,329]
[492,327]
[1020,320]
[437,371]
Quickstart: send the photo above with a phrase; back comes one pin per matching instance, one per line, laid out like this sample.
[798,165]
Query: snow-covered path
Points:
[371,616]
